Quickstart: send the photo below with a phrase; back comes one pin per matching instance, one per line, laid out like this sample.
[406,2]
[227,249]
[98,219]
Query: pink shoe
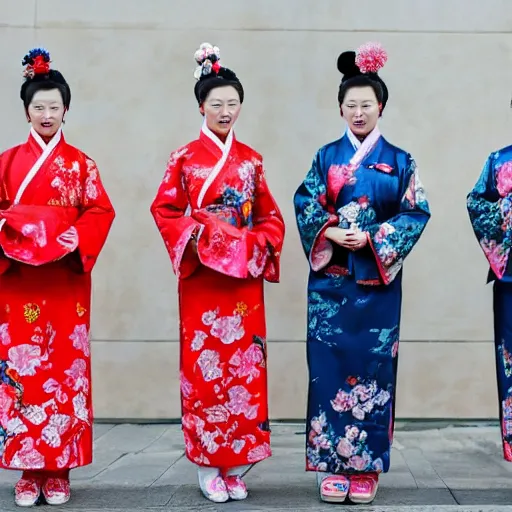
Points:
[237,489]
[363,487]
[56,491]
[27,492]
[334,489]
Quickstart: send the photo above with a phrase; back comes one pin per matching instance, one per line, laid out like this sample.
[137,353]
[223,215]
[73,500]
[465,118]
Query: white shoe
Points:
[212,485]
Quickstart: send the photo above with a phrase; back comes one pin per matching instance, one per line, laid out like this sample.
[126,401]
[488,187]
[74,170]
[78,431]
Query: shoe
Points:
[212,485]
[56,491]
[236,487]
[334,488]
[363,487]
[27,492]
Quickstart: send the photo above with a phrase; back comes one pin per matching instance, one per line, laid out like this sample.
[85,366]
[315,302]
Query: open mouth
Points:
[46,125]
[359,124]
[225,122]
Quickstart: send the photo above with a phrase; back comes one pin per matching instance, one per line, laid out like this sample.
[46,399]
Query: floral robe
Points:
[45,293]
[224,233]
[490,210]
[354,298]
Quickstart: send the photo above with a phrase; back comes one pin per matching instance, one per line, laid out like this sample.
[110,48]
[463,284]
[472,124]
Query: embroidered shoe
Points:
[363,487]
[27,492]
[212,485]
[236,487]
[56,491]
[334,488]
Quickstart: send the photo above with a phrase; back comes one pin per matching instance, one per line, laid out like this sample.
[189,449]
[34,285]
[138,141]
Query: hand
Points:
[352,239]
[69,239]
[193,244]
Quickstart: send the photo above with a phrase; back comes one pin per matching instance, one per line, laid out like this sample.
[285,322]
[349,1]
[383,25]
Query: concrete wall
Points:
[130,66]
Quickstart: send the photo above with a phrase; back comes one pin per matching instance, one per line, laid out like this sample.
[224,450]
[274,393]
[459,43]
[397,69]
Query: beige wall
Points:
[130,66]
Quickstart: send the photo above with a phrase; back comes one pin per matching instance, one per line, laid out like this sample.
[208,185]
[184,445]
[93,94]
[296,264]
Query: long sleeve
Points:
[393,240]
[489,206]
[5,262]
[313,216]
[38,234]
[95,219]
[267,235]
[242,252]
[169,209]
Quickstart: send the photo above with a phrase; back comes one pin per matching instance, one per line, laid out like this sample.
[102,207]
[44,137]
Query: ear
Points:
[341,111]
[201,109]
[380,109]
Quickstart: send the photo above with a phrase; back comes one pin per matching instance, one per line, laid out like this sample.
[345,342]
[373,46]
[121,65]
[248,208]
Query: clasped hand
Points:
[352,239]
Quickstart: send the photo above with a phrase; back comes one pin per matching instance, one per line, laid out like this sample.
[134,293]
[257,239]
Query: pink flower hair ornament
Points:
[371,57]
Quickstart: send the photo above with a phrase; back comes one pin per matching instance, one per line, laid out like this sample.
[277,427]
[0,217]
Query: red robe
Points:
[239,230]
[45,295]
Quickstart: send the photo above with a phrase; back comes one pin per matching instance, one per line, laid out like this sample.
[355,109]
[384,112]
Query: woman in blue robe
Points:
[360,211]
[490,211]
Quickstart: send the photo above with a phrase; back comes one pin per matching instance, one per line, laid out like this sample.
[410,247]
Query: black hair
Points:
[221,77]
[39,77]
[352,77]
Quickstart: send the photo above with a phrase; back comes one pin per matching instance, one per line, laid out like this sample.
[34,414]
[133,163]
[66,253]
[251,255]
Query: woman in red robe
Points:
[54,218]
[224,233]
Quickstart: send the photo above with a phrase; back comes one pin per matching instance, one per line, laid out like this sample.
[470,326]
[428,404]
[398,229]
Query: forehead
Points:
[225,93]
[365,93]
[47,96]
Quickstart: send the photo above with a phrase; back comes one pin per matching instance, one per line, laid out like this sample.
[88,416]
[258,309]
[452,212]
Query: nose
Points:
[225,110]
[358,112]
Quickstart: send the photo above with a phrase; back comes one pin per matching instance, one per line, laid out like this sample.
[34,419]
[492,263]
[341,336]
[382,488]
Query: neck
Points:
[46,138]
[222,137]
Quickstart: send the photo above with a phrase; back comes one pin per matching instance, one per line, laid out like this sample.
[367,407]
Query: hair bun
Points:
[347,64]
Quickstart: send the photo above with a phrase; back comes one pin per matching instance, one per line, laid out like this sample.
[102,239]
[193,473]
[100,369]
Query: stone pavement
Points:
[142,468]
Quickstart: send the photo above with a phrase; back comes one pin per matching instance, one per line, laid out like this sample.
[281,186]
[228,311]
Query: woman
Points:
[55,217]
[490,210]
[359,211]
[224,233]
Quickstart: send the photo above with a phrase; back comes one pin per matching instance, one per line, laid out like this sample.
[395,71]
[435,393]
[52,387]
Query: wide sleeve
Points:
[265,239]
[314,217]
[489,206]
[393,240]
[5,262]
[253,250]
[171,210]
[95,218]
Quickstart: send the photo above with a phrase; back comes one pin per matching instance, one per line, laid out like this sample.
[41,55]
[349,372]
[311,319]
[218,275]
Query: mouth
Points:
[46,125]
[359,123]
[225,122]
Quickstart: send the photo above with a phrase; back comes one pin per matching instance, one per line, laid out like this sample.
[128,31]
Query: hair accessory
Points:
[370,57]
[208,60]
[37,62]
